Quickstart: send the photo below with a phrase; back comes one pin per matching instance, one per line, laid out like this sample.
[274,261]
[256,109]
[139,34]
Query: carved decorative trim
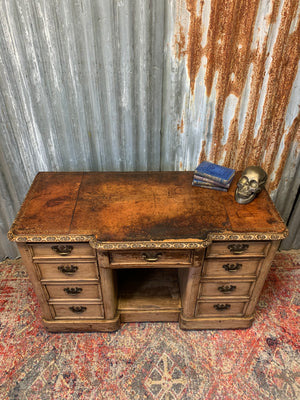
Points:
[187,244]
[149,245]
[248,236]
[164,244]
[49,238]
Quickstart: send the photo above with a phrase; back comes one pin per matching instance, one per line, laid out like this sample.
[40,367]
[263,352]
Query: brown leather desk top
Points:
[137,206]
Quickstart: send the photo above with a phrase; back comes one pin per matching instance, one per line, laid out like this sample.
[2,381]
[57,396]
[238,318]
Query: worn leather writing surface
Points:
[119,206]
[49,205]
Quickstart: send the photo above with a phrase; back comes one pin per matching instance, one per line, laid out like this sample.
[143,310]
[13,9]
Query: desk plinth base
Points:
[91,325]
[150,316]
[114,324]
[215,323]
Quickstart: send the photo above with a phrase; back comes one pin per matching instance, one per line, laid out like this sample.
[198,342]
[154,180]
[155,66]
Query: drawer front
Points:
[78,311]
[231,267]
[73,291]
[220,309]
[150,258]
[68,271]
[240,249]
[225,289]
[62,250]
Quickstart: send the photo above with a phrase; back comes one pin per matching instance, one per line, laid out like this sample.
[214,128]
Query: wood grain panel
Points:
[233,267]
[82,271]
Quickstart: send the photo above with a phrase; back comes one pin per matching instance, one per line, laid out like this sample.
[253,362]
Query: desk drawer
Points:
[78,311]
[148,258]
[68,270]
[62,250]
[237,249]
[215,267]
[225,289]
[220,308]
[73,291]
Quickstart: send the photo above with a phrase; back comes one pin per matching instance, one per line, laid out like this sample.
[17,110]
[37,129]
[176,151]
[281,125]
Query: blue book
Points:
[212,182]
[208,185]
[215,172]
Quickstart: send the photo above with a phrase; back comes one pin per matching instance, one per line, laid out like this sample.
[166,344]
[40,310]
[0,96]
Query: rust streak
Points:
[274,15]
[194,48]
[180,43]
[203,155]
[283,70]
[180,126]
[228,52]
[229,56]
[246,146]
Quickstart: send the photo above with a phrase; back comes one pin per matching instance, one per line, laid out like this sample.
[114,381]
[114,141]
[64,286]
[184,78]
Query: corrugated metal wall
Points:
[147,85]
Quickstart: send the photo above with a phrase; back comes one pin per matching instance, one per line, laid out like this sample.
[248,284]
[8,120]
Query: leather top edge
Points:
[168,243]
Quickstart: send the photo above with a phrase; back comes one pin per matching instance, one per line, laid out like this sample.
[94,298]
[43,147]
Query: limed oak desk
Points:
[105,248]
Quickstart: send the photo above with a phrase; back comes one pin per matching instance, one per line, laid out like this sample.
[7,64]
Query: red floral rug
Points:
[152,360]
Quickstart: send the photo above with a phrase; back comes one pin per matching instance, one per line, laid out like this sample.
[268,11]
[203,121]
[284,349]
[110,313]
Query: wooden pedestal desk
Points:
[103,248]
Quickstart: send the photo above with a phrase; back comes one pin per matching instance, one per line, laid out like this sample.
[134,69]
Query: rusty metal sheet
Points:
[147,85]
[241,62]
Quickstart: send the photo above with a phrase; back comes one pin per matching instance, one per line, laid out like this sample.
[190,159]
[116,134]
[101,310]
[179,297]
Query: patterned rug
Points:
[152,360]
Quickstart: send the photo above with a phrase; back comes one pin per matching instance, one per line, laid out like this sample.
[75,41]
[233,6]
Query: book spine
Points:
[214,178]
[211,181]
[220,188]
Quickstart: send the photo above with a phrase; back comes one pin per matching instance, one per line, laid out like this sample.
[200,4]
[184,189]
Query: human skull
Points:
[250,184]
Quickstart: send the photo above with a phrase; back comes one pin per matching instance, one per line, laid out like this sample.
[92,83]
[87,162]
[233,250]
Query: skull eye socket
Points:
[254,184]
[244,180]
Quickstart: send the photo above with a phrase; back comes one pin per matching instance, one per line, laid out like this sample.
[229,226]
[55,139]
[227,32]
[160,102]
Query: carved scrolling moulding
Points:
[165,244]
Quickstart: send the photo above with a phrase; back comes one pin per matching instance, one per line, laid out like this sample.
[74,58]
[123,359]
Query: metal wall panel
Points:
[292,241]
[147,85]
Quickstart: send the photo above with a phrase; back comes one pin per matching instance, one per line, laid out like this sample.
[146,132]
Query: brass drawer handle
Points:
[226,288]
[222,307]
[78,309]
[151,258]
[238,248]
[62,250]
[232,267]
[73,291]
[68,269]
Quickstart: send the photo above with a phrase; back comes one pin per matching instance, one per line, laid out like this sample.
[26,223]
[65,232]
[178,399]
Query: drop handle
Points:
[151,258]
[78,309]
[222,307]
[232,267]
[238,248]
[62,250]
[68,269]
[73,291]
[226,288]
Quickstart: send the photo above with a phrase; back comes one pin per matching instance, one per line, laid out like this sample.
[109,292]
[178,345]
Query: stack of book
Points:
[213,176]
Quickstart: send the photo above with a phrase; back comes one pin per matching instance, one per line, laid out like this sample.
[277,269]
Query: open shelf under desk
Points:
[148,294]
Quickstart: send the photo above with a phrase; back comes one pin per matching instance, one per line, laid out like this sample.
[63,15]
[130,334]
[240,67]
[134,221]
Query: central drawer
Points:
[148,258]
